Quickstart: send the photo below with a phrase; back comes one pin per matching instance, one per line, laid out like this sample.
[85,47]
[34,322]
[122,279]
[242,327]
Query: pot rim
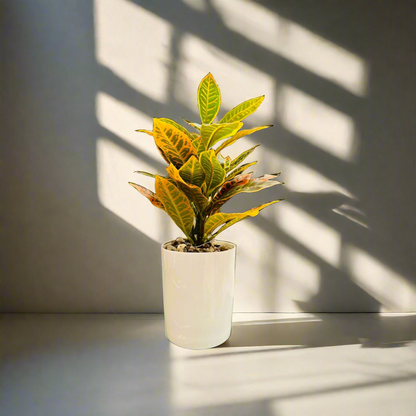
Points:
[234,248]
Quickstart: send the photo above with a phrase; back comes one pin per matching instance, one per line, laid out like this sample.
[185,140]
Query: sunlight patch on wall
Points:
[238,80]
[198,5]
[353,214]
[115,167]
[123,120]
[255,266]
[316,236]
[301,178]
[316,122]
[392,290]
[295,43]
[297,277]
[297,176]
[135,44]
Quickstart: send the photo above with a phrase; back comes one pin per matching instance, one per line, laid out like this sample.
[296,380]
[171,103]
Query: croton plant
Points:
[200,179]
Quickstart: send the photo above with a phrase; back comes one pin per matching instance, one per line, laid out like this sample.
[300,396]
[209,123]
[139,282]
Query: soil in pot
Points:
[184,245]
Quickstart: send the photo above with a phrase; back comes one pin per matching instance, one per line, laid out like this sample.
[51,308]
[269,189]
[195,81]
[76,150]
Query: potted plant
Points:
[198,270]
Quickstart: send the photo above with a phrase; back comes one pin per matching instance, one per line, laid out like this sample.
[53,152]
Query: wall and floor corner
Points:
[79,77]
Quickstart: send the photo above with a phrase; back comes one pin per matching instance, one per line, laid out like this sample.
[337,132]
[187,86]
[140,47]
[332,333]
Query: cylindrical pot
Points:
[198,296]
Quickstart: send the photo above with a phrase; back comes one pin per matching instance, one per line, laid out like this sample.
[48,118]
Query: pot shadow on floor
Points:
[324,330]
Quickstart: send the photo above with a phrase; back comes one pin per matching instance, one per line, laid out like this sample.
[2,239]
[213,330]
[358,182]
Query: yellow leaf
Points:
[178,126]
[149,132]
[239,135]
[209,99]
[227,220]
[176,146]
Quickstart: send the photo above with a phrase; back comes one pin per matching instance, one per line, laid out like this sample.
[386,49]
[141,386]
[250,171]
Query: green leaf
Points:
[151,196]
[214,173]
[199,145]
[176,204]
[152,175]
[192,172]
[240,158]
[239,135]
[230,219]
[239,170]
[209,99]
[213,133]
[174,144]
[193,192]
[243,110]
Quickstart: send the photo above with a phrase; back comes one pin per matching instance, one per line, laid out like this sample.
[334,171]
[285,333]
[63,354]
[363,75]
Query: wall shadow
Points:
[62,250]
[78,256]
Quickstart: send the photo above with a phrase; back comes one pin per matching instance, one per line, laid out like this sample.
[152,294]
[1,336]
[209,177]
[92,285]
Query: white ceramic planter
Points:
[198,296]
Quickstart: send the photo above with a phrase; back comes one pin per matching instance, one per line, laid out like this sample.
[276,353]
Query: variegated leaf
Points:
[227,191]
[239,135]
[193,192]
[240,158]
[176,204]
[199,145]
[149,132]
[178,126]
[209,99]
[239,170]
[230,219]
[176,146]
[151,196]
[214,173]
[152,175]
[243,110]
[213,133]
[192,172]
[194,125]
[225,162]
[263,182]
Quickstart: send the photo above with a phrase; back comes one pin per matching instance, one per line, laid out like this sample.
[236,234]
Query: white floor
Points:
[273,364]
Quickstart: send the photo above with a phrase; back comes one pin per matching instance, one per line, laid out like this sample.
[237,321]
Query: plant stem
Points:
[199,230]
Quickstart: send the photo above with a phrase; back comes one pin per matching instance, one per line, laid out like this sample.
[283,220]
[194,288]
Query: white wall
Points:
[79,77]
